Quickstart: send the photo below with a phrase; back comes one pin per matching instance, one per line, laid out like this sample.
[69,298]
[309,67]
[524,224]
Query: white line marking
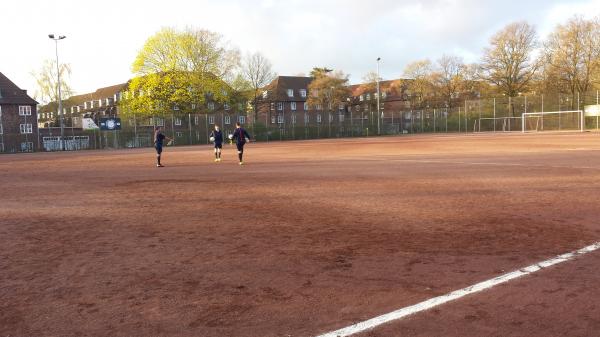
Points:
[436,301]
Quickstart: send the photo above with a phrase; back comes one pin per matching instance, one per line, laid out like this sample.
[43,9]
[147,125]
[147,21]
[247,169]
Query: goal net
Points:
[502,124]
[553,121]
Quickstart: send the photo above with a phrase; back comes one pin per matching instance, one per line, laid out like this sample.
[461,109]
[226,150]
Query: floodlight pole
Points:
[60,108]
[378,97]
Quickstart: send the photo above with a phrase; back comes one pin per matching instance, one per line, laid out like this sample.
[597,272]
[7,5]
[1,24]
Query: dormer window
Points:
[303,93]
[265,94]
[290,92]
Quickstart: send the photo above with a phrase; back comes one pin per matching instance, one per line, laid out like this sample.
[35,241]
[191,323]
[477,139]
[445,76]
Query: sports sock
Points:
[240,156]
[158,159]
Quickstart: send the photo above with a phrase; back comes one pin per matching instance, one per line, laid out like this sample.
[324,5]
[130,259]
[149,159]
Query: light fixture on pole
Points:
[378,97]
[60,109]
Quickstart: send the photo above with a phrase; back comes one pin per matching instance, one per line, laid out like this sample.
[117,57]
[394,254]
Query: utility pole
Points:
[378,98]
[60,108]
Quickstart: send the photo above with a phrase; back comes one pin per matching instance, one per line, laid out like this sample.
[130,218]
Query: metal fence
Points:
[482,115]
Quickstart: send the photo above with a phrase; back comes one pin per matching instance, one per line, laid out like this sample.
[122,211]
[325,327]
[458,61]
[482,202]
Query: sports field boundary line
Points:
[457,294]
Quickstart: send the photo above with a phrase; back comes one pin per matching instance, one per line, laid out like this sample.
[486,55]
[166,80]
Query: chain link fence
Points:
[502,114]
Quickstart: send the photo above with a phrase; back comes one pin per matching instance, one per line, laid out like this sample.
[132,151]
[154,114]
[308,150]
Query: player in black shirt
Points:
[240,136]
[217,138]
[159,138]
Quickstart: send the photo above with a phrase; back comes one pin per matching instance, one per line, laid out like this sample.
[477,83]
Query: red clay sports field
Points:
[308,239]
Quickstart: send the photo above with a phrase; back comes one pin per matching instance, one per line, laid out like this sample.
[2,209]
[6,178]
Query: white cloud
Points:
[104,37]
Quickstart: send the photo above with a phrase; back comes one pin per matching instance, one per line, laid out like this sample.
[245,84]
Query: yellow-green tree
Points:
[419,83]
[181,71]
[572,57]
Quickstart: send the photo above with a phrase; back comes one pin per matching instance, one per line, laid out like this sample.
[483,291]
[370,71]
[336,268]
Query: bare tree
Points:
[47,82]
[258,71]
[508,62]
[448,77]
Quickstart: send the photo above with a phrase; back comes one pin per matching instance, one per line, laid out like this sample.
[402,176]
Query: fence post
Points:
[190,127]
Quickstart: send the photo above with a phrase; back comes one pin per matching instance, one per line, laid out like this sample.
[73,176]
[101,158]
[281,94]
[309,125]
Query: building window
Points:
[26,128]
[361,98]
[272,119]
[175,107]
[293,118]
[24,110]
[99,103]
[384,94]
[179,134]
[319,118]
[211,106]
[91,104]
[280,106]
[227,120]
[368,97]
[26,147]
[193,106]
[290,92]
[305,106]
[319,107]
[303,93]
[280,119]
[196,120]
[211,119]
[306,118]
[85,105]
[265,94]
[177,121]
[242,119]
[293,106]
[272,106]
[226,106]
[341,106]
[342,117]
[158,121]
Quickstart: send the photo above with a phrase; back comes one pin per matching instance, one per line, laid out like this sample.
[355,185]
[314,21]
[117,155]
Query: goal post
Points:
[553,121]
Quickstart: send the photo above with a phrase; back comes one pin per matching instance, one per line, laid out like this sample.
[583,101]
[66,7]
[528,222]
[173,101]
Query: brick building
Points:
[18,118]
[284,103]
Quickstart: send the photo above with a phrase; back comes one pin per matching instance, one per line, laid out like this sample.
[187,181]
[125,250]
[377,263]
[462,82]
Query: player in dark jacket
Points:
[241,137]
[217,138]
[159,138]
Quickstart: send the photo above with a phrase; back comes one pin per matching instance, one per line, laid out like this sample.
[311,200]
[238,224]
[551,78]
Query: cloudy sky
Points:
[103,37]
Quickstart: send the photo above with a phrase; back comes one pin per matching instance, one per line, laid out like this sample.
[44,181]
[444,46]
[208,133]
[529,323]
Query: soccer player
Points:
[240,136]
[159,138]
[217,138]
